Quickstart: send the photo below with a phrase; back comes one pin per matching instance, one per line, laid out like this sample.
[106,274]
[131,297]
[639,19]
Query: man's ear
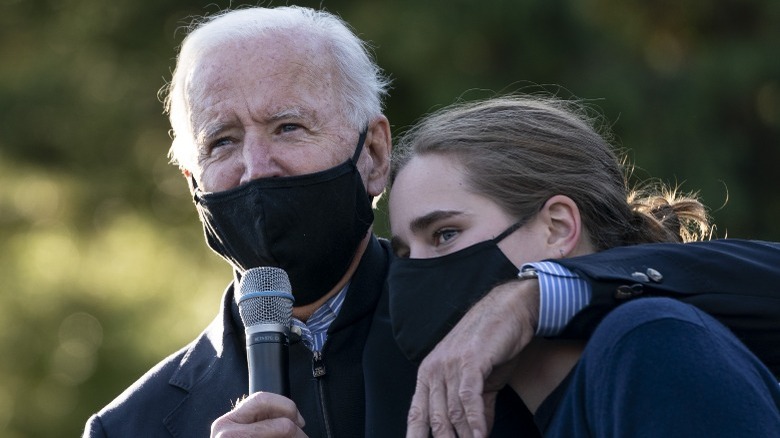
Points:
[190,180]
[564,223]
[378,146]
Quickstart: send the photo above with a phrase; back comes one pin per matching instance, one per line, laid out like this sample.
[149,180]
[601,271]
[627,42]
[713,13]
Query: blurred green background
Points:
[103,268]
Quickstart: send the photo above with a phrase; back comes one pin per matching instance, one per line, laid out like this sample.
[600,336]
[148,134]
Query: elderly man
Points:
[279,131]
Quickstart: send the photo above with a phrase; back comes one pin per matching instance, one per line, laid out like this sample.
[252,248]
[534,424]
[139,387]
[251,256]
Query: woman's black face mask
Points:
[309,225]
[429,296]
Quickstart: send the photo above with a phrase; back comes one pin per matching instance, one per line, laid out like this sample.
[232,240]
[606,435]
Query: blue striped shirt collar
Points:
[314,332]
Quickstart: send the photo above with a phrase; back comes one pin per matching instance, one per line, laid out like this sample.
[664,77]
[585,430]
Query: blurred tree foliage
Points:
[103,266]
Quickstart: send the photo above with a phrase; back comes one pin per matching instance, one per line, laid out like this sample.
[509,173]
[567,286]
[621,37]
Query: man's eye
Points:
[220,142]
[289,127]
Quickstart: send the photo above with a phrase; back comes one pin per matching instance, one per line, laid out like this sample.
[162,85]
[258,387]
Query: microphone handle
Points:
[268,359]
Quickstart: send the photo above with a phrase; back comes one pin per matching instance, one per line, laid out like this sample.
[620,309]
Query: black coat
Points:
[187,391]
[368,384]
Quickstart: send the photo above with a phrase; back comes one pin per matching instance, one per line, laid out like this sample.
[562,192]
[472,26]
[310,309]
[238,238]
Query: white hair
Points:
[364,85]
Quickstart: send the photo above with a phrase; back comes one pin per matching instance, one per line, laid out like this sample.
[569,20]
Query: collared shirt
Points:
[314,332]
[562,294]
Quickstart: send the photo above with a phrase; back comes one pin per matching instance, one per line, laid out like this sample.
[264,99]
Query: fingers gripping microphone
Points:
[265,304]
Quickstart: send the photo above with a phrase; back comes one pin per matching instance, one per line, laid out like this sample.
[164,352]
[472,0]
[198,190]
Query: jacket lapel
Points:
[212,376]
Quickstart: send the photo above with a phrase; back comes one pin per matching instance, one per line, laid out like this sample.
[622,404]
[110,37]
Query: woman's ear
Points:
[378,146]
[564,224]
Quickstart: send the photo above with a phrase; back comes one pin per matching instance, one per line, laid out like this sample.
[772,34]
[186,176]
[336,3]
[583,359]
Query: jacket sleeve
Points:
[736,281]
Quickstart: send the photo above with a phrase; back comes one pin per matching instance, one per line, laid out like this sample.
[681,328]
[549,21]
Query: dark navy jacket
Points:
[186,392]
[736,281]
[368,384]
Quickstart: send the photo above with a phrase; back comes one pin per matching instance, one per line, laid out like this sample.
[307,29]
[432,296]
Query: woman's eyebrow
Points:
[423,222]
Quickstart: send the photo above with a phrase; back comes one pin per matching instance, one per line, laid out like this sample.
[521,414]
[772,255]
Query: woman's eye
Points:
[441,237]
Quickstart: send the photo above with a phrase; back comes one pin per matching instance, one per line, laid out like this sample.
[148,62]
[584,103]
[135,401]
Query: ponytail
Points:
[667,216]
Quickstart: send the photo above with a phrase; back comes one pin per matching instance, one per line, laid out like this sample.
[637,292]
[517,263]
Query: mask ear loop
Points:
[194,186]
[512,228]
[359,147]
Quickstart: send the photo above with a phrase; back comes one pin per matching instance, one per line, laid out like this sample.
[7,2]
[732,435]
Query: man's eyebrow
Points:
[210,131]
[214,129]
[289,113]
[423,222]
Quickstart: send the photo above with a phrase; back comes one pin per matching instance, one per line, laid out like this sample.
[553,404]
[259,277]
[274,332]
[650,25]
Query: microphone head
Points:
[264,296]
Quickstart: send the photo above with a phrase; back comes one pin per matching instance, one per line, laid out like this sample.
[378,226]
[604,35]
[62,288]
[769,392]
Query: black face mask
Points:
[429,296]
[309,225]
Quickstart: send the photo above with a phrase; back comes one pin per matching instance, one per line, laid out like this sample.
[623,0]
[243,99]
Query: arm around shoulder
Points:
[736,281]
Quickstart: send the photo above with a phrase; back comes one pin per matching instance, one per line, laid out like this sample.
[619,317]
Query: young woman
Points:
[482,190]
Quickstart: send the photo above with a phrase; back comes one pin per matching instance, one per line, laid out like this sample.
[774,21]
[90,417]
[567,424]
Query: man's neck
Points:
[303,313]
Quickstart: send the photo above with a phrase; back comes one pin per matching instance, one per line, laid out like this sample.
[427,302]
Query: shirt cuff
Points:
[562,294]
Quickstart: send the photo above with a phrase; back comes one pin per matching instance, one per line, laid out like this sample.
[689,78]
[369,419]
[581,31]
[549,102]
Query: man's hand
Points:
[262,414]
[458,381]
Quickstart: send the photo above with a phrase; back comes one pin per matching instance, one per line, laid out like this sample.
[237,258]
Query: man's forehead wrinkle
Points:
[208,91]
[199,102]
[207,118]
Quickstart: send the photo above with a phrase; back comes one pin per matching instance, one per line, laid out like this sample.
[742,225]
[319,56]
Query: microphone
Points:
[265,304]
